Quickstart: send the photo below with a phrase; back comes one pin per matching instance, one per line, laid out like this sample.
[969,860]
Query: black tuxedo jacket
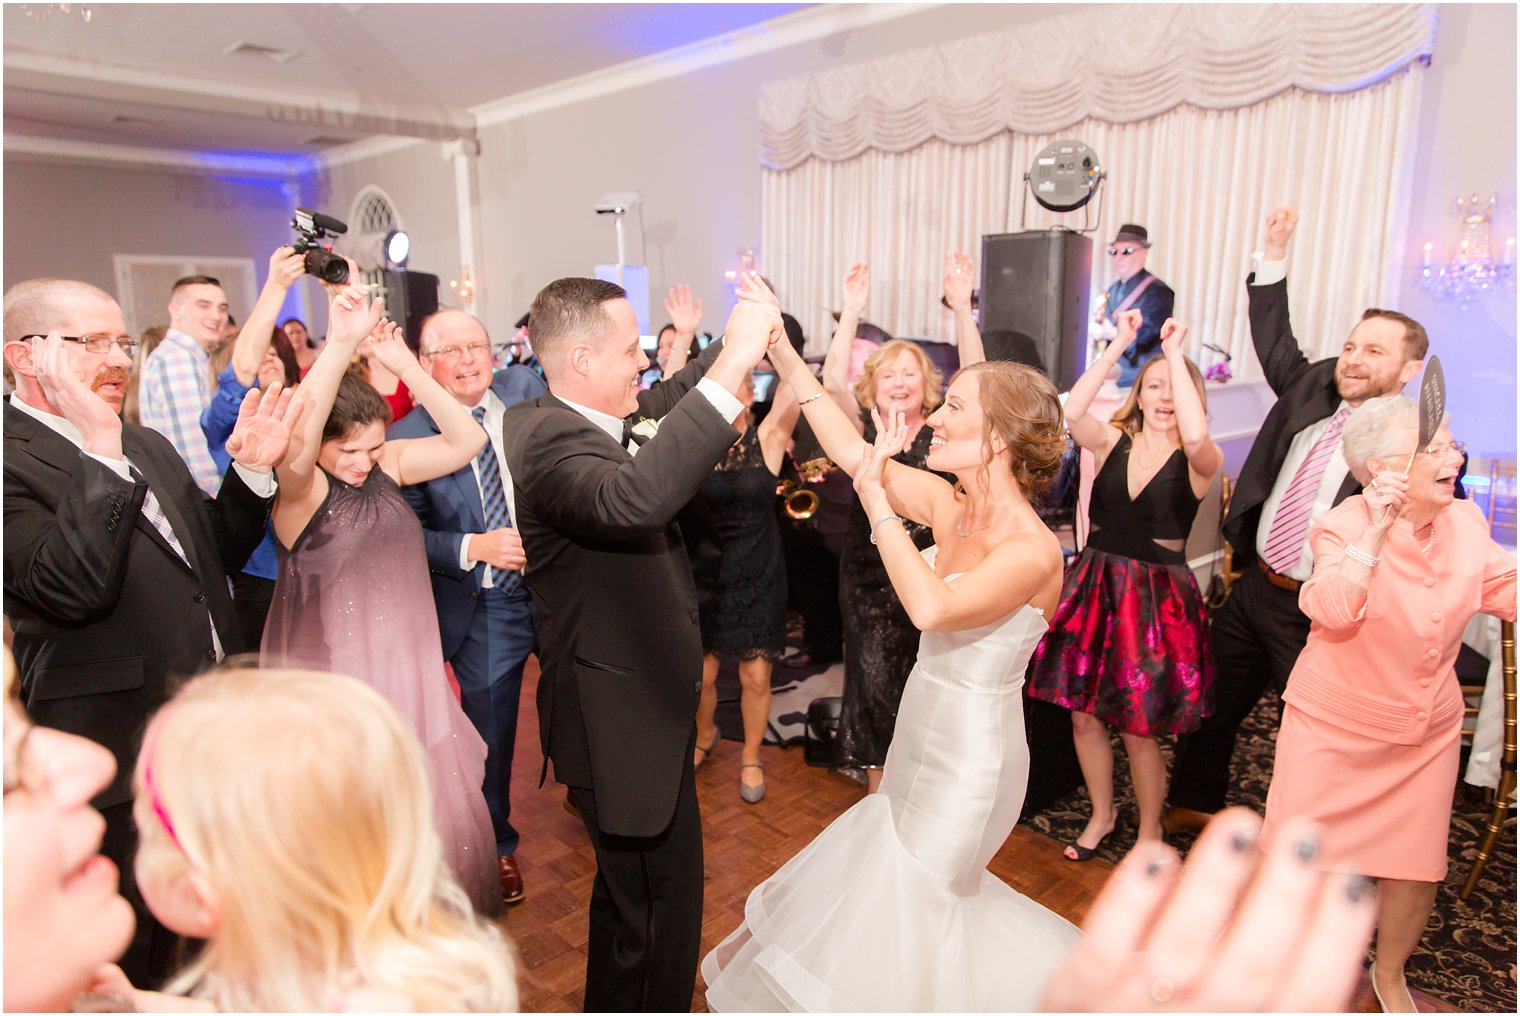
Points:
[617,611]
[1306,394]
[107,617]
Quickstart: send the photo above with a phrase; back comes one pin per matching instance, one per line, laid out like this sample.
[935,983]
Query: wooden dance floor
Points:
[743,844]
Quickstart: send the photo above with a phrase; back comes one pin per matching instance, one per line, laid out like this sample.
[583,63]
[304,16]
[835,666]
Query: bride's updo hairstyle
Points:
[1020,405]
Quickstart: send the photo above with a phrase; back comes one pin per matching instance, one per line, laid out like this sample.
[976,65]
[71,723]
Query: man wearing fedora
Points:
[1135,289]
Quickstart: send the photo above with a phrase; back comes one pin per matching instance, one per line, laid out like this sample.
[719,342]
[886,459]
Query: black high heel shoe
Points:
[1078,853]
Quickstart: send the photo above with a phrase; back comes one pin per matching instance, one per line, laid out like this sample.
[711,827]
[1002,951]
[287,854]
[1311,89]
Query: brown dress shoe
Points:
[1184,820]
[511,879]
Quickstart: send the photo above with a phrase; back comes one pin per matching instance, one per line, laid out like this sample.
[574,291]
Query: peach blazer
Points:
[1386,671]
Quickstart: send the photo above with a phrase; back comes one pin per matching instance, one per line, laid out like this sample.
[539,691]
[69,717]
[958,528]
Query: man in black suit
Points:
[475,559]
[1135,289]
[1294,473]
[116,563]
[607,567]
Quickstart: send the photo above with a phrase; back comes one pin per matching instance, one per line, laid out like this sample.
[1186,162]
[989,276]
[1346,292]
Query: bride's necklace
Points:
[963,532]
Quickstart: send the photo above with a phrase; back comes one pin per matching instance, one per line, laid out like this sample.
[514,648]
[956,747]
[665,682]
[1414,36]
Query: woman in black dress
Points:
[747,616]
[880,643]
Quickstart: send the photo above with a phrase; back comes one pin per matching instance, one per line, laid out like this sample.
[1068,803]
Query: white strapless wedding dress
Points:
[892,908]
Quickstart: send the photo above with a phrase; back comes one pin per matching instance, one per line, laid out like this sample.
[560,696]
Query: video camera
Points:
[315,227]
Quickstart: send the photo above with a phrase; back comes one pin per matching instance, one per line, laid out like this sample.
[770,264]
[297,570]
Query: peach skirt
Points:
[1385,808]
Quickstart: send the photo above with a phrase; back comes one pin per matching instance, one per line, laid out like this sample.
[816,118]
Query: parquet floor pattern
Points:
[743,845]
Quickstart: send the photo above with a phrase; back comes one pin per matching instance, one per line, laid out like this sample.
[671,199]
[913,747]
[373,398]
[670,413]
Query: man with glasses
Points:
[1135,289]
[176,378]
[1295,473]
[475,557]
[115,564]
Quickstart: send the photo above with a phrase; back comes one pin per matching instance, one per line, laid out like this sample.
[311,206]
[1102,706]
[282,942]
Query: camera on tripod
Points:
[315,227]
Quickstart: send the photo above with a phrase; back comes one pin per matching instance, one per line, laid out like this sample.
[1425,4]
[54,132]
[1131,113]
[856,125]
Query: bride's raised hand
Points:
[890,439]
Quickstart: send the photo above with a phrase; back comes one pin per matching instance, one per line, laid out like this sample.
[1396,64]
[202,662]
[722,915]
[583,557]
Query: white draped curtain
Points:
[897,183]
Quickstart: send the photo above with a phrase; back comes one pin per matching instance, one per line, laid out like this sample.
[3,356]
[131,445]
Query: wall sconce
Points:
[1472,271]
[464,286]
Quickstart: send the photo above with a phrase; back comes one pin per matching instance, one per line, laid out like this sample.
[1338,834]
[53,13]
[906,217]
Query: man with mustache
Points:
[1294,473]
[116,565]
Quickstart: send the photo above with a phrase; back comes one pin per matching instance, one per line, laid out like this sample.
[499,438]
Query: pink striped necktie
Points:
[1290,526]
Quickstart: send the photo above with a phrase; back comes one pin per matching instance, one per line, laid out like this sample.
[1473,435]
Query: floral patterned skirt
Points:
[1130,645]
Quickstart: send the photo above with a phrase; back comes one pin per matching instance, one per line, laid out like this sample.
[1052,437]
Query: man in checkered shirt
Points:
[176,378]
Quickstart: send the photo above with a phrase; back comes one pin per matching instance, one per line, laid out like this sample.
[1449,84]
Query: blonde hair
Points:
[303,799]
[1131,418]
[147,342]
[934,381]
[1020,406]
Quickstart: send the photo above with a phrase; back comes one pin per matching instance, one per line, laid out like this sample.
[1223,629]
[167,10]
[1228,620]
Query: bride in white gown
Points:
[892,908]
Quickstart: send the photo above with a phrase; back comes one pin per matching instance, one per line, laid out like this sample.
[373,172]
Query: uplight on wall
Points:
[1472,271]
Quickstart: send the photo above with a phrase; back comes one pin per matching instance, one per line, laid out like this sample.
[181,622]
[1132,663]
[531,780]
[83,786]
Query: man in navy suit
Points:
[475,557]
[1135,289]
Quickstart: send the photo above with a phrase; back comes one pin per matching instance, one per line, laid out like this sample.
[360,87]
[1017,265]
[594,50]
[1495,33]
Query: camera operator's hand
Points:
[387,344]
[286,266]
[351,316]
[338,287]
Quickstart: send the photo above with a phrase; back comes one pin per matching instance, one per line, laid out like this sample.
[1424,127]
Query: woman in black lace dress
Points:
[880,643]
[747,617]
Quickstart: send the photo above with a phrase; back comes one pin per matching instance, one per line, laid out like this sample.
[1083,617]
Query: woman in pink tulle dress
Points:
[352,593]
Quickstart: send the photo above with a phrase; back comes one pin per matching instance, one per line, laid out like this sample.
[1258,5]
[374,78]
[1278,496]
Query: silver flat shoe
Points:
[751,795]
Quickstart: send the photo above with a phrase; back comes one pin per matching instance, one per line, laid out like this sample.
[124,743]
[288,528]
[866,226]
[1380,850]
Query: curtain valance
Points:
[1119,64]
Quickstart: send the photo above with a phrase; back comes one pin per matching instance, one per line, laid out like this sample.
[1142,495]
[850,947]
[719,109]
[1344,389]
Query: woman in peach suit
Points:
[1373,716]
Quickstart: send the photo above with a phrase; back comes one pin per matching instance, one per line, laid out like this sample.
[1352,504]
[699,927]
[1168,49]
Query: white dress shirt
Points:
[1268,273]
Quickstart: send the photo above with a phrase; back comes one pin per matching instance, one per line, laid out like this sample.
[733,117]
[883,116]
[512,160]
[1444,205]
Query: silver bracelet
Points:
[1360,556]
[884,518]
[811,398]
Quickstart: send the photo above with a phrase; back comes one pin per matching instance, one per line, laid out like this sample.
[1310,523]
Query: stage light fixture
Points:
[397,247]
[1064,175]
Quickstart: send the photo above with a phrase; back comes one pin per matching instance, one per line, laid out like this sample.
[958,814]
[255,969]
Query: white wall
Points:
[1466,146]
[69,219]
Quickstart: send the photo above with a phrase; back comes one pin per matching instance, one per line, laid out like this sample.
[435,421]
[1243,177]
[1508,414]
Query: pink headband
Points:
[154,799]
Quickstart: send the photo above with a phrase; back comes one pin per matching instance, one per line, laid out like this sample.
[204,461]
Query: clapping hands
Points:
[891,438]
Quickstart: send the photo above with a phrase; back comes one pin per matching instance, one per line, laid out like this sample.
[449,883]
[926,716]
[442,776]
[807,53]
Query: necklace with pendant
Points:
[1148,463]
[962,532]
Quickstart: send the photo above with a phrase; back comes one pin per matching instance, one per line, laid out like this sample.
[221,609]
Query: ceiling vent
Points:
[270,53]
[324,141]
[121,120]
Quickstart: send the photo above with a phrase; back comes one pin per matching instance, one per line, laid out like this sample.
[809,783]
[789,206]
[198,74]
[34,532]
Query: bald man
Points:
[475,558]
[116,564]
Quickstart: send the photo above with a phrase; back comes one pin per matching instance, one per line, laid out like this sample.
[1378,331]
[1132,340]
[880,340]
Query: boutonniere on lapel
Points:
[645,428]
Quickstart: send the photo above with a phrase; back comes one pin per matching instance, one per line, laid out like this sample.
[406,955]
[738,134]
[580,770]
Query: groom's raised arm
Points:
[662,396]
[573,478]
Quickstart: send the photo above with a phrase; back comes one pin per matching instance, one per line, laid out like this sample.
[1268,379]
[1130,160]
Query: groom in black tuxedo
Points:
[606,566]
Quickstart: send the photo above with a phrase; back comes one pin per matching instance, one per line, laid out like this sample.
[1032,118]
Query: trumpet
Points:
[799,502]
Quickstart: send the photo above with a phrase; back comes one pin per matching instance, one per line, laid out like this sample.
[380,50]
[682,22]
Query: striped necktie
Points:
[155,514]
[493,499]
[1290,526]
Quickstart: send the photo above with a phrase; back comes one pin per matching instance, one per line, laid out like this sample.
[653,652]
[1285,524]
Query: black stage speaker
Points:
[1034,301]
[410,297]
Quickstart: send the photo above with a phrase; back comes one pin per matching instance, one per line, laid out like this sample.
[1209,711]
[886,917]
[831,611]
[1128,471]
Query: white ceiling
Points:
[157,75]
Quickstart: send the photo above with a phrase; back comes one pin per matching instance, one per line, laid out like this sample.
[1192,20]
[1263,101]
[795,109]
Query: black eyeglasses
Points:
[100,342]
[1115,251]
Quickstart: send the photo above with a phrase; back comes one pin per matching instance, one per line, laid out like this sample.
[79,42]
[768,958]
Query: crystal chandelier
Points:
[1472,271]
[40,12]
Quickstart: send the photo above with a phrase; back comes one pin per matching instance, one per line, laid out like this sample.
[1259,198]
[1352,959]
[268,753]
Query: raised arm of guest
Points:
[960,278]
[459,438]
[775,431]
[1277,349]
[836,362]
[1098,436]
[686,314]
[285,269]
[1203,455]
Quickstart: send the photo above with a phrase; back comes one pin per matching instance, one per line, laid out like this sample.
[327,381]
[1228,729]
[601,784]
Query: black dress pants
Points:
[1257,636]
[646,910]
